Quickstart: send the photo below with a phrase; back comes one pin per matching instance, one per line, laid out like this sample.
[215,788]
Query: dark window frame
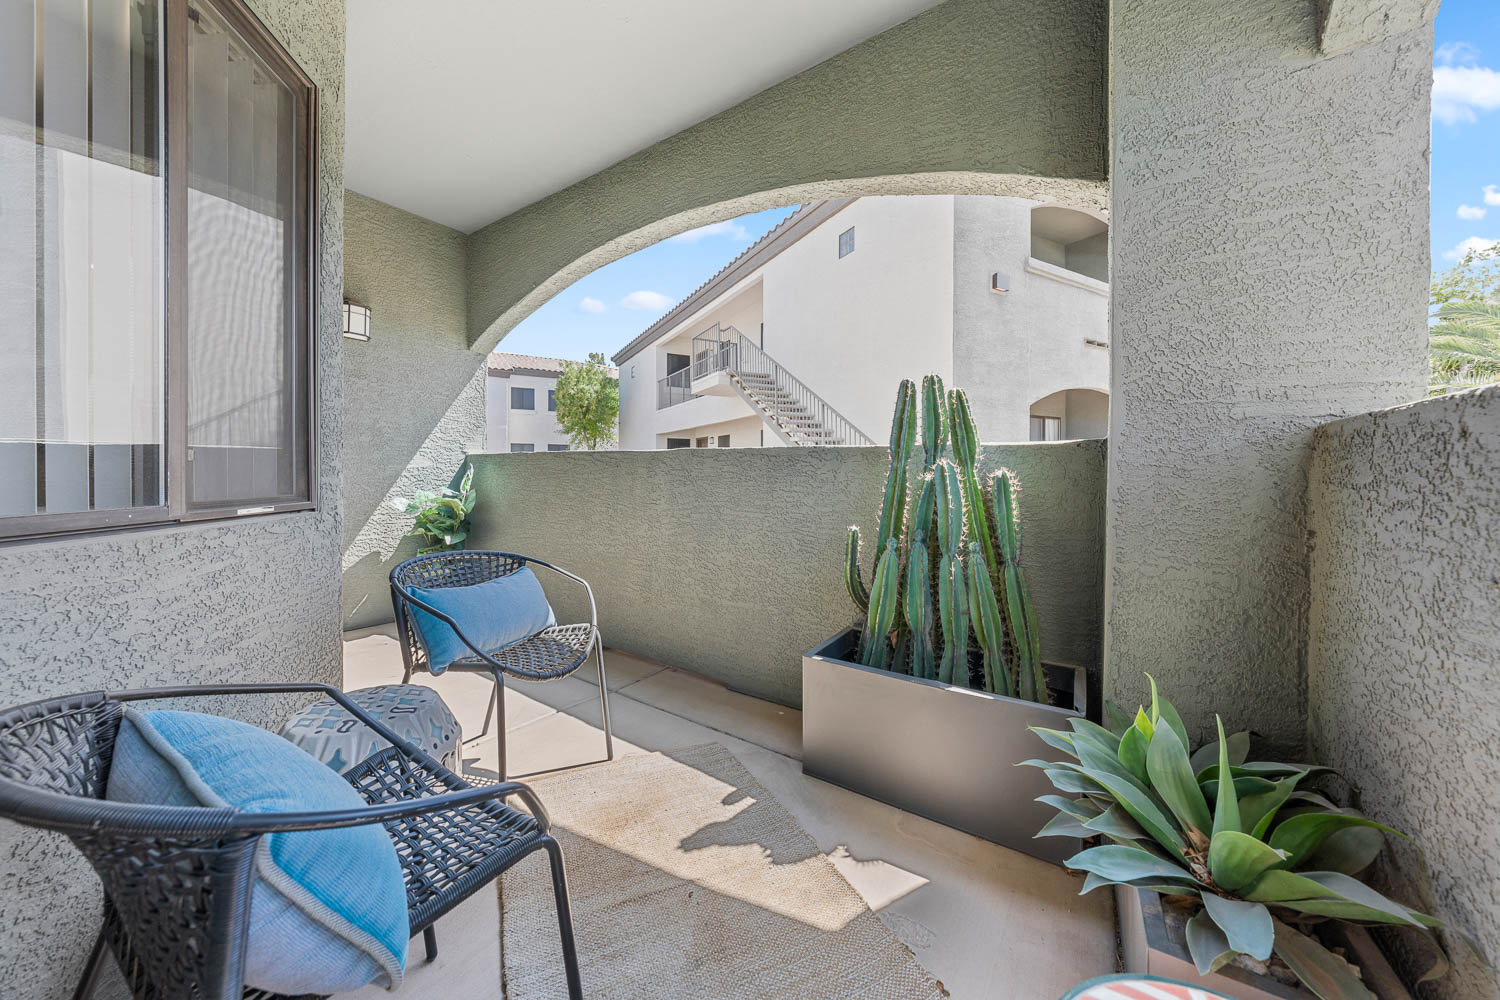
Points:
[176,17]
[522,448]
[843,250]
[518,389]
[551,400]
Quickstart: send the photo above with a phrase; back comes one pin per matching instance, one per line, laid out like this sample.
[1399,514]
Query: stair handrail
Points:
[752,358]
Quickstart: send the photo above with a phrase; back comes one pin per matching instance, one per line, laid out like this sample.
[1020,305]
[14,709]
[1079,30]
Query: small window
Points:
[1046,428]
[678,443]
[701,443]
[521,449]
[677,363]
[723,440]
[522,399]
[846,242]
[551,400]
[557,447]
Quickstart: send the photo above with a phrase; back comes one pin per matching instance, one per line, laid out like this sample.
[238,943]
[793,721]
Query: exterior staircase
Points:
[796,414]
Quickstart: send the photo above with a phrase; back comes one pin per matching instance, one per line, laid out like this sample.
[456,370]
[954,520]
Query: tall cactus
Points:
[989,626]
[953,603]
[1020,617]
[918,608]
[885,595]
[948,567]
[893,506]
[934,421]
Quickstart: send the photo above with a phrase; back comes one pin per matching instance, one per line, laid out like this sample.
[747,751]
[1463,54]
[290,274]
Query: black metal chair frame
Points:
[178,879]
[549,654]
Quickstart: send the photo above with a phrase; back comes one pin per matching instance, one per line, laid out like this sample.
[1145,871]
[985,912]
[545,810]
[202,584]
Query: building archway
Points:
[1070,414]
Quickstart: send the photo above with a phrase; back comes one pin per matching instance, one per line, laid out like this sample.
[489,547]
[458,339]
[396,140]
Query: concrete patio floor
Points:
[986,921]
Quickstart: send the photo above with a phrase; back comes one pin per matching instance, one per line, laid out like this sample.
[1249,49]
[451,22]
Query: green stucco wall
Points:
[1269,271]
[974,96]
[413,393]
[249,600]
[730,562]
[1404,648]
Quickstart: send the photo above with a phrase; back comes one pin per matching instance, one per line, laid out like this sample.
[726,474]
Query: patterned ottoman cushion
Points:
[411,711]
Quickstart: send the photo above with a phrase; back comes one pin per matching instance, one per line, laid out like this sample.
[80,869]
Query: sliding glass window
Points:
[156,256]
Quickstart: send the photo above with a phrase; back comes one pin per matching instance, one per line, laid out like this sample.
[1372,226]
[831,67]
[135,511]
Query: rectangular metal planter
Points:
[1150,947]
[939,751]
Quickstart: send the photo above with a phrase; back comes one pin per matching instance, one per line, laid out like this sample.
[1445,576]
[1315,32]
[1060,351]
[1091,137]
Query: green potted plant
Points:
[945,661]
[442,518]
[1250,882]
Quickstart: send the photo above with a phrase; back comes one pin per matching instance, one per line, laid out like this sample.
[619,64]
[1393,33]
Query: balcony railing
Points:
[675,388]
[786,399]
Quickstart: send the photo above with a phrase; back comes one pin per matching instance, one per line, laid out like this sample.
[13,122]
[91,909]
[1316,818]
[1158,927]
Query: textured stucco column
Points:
[1269,214]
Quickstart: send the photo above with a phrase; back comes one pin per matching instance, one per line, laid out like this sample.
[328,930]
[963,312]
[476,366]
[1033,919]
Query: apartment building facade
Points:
[520,402]
[803,338]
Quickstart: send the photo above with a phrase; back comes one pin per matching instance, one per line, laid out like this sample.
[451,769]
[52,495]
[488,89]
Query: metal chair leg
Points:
[85,988]
[499,707]
[564,918]
[429,941]
[609,740]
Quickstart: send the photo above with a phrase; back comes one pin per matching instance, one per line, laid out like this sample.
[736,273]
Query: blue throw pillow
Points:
[328,908]
[493,614]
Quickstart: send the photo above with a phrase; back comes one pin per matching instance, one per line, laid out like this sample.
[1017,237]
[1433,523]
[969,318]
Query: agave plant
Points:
[442,520]
[1260,857]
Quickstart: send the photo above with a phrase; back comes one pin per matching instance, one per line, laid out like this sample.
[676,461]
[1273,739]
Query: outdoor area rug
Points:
[689,880]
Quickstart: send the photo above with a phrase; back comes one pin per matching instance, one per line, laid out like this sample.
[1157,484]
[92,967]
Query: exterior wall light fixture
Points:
[356,321]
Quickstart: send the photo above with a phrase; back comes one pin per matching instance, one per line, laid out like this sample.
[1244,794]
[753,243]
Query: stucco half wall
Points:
[729,563]
[987,96]
[250,600]
[1404,645]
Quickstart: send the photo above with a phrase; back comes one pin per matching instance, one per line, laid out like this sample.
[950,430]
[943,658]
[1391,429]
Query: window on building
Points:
[522,448]
[846,242]
[677,363]
[701,443]
[557,447]
[723,440]
[157,334]
[522,399]
[551,400]
[1046,428]
[678,443]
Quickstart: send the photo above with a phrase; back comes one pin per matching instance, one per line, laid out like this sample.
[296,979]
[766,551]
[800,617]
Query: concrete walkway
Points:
[986,921]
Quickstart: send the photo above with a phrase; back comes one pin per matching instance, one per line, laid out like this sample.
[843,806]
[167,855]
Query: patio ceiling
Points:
[473,109]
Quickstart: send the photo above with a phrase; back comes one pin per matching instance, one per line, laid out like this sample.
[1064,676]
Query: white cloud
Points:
[1474,243]
[1471,212]
[1463,93]
[652,301]
[1457,54]
[593,305]
[1491,194]
[731,229]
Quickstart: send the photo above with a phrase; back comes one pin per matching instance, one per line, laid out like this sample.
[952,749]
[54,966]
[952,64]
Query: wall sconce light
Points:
[999,283]
[356,321]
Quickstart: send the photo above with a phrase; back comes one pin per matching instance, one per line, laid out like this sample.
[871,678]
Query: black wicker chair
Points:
[177,880]
[551,653]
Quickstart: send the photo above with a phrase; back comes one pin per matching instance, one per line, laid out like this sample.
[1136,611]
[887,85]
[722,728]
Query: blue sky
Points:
[1465,129]
[605,310]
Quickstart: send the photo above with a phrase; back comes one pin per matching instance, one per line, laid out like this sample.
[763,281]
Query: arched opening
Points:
[1070,415]
[1071,239]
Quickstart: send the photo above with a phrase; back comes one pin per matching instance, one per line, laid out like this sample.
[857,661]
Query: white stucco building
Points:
[803,338]
[521,404]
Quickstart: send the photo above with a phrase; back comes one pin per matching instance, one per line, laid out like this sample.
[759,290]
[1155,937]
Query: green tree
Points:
[1464,334]
[588,402]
